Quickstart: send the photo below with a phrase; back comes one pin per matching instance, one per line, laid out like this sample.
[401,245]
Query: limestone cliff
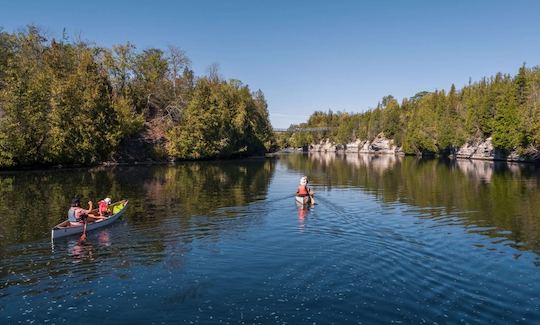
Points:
[484,149]
[380,145]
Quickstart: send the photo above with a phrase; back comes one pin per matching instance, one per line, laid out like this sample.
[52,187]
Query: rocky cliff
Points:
[484,149]
[380,145]
[475,149]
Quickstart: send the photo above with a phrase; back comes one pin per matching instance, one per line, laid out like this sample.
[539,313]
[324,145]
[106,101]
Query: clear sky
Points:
[312,55]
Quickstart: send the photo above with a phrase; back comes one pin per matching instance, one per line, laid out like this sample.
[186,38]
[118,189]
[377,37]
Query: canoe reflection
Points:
[303,213]
[82,251]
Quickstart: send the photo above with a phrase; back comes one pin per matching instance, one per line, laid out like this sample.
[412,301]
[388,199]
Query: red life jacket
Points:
[302,190]
[103,206]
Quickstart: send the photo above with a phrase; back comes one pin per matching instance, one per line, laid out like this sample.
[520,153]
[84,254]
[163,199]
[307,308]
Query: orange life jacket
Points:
[302,190]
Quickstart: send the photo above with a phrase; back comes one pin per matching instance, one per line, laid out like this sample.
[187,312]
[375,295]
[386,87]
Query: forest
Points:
[71,102]
[503,107]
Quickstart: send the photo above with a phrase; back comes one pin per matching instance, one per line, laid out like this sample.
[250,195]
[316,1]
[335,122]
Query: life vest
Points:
[103,206]
[302,190]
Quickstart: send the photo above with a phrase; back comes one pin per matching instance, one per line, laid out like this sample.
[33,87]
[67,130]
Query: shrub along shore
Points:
[500,113]
[65,102]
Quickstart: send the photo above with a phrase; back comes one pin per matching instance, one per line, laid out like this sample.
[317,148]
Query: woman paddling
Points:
[304,191]
[76,214]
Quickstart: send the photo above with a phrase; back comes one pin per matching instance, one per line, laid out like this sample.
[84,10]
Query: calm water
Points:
[391,240]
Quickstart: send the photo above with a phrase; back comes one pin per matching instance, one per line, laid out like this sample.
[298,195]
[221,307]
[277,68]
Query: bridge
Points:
[320,129]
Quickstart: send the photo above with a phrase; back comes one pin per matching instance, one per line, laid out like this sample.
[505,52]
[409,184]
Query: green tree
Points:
[24,101]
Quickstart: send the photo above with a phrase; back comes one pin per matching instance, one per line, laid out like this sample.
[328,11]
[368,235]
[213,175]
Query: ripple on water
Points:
[367,253]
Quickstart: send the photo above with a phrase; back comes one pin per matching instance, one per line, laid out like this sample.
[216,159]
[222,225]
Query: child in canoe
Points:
[103,207]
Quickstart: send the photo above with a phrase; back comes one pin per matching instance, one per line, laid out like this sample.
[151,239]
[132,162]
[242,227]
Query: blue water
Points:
[224,242]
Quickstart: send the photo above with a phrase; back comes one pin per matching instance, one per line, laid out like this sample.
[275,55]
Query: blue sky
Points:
[312,55]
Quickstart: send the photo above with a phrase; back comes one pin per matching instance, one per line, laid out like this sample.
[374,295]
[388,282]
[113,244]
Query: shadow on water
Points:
[496,199]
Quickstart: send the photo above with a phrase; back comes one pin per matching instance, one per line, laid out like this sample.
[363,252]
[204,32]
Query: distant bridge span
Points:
[321,129]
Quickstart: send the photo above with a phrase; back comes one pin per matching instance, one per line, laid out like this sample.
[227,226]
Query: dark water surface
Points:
[392,240]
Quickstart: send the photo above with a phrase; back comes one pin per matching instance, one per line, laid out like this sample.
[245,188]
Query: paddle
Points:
[83,236]
[85,220]
[311,194]
[312,199]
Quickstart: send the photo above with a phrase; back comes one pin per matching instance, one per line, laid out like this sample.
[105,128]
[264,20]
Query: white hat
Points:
[108,200]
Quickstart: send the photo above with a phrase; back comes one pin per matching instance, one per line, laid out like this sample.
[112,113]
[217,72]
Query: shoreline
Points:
[270,155]
[128,164]
[424,156]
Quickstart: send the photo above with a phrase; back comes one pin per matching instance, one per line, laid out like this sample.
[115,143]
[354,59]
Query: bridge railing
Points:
[319,129]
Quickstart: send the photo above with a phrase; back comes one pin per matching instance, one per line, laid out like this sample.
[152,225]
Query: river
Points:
[391,240]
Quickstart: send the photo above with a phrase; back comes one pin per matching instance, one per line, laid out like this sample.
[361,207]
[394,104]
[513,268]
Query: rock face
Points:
[326,146]
[481,149]
[379,145]
[484,149]
[477,150]
[354,147]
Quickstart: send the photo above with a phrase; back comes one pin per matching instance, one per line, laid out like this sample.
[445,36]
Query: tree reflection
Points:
[170,207]
[31,202]
[503,197]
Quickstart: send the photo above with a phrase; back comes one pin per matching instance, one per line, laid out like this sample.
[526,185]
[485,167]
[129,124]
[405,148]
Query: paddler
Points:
[76,214]
[304,190]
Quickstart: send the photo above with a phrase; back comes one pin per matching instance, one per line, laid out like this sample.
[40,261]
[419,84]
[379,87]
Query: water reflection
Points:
[31,202]
[391,240]
[170,208]
[303,213]
[82,251]
[497,199]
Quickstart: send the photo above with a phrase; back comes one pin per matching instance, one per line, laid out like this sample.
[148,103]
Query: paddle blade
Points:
[83,236]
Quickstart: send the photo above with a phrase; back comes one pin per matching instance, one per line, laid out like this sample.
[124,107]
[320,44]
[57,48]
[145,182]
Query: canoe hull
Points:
[59,232]
[303,200]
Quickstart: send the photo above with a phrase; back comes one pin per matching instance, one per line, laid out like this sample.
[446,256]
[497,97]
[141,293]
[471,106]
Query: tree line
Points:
[503,107]
[73,102]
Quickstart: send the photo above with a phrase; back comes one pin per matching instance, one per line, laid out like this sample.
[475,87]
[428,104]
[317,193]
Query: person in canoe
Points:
[103,207]
[76,214]
[304,190]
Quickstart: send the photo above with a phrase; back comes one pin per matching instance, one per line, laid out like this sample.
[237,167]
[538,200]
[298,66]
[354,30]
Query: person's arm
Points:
[90,208]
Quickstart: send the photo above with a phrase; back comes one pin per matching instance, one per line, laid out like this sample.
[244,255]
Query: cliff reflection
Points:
[504,198]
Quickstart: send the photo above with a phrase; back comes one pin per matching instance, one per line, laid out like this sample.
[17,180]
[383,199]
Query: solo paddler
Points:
[304,190]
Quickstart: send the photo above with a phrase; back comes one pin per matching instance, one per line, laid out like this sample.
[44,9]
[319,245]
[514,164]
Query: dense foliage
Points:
[503,107]
[69,102]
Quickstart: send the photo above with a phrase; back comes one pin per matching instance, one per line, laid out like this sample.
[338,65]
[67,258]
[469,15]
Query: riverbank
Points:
[478,149]
[128,163]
